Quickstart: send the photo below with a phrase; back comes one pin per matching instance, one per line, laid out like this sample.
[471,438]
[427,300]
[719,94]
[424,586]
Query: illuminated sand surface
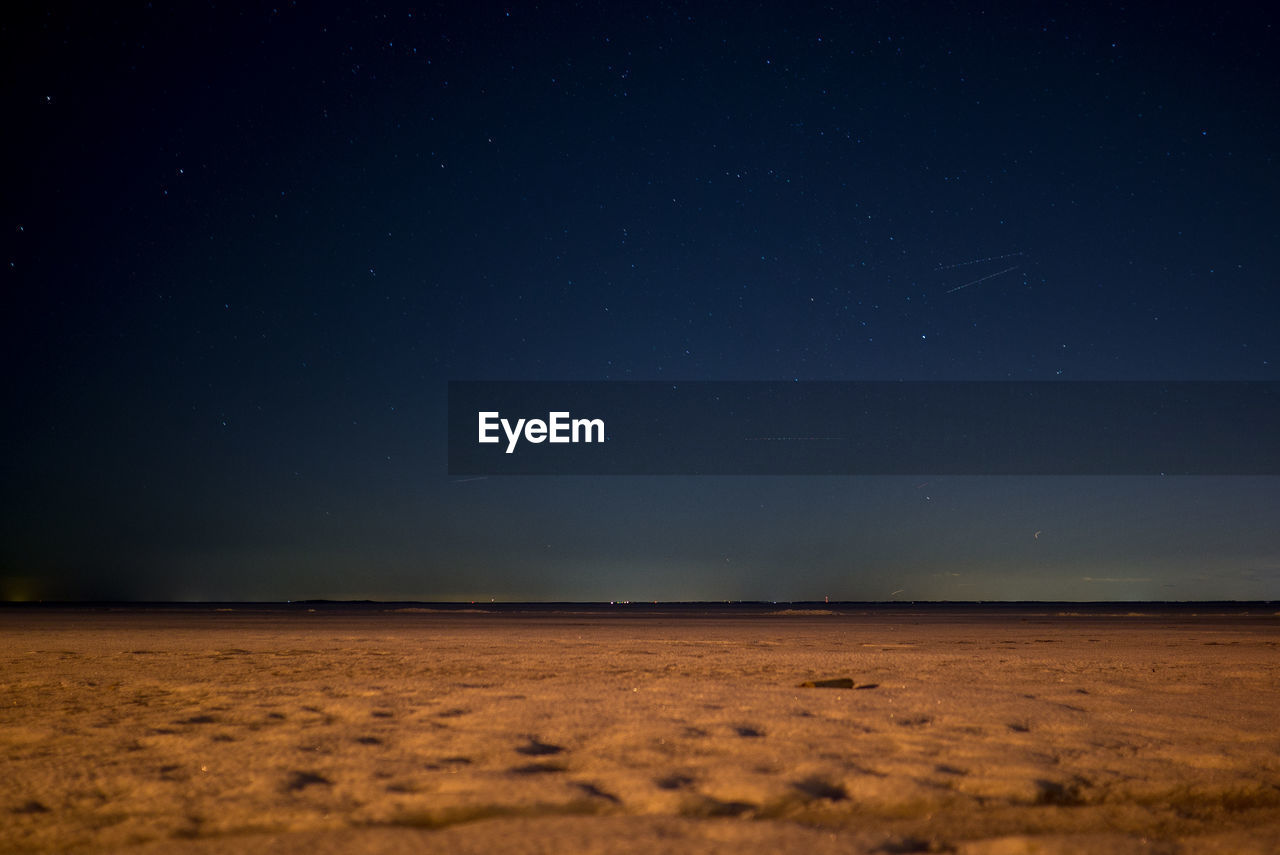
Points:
[369,731]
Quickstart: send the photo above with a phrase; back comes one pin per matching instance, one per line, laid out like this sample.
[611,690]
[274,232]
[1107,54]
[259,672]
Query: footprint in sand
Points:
[674,782]
[593,790]
[538,769]
[197,719]
[816,788]
[707,807]
[301,780]
[538,748]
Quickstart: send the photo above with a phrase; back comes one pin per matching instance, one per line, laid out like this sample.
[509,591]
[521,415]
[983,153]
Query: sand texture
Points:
[205,731]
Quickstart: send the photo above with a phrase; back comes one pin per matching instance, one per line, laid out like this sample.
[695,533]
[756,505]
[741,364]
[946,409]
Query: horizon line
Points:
[621,603]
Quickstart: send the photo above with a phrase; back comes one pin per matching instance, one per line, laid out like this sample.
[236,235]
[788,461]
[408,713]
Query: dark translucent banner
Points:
[865,428]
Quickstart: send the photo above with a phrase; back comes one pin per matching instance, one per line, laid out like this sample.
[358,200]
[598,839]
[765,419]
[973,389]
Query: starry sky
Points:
[246,245]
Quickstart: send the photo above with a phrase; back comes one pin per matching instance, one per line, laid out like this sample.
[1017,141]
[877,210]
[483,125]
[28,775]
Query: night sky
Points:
[246,246]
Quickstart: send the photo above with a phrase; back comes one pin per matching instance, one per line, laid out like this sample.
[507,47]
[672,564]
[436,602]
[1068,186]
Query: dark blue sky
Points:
[245,246]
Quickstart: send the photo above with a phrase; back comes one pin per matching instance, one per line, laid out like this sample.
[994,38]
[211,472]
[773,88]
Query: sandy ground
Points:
[416,731]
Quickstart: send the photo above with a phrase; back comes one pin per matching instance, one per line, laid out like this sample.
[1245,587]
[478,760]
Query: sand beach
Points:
[383,729]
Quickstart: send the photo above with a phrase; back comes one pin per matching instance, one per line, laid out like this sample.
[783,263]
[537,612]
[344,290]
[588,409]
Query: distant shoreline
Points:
[745,608]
